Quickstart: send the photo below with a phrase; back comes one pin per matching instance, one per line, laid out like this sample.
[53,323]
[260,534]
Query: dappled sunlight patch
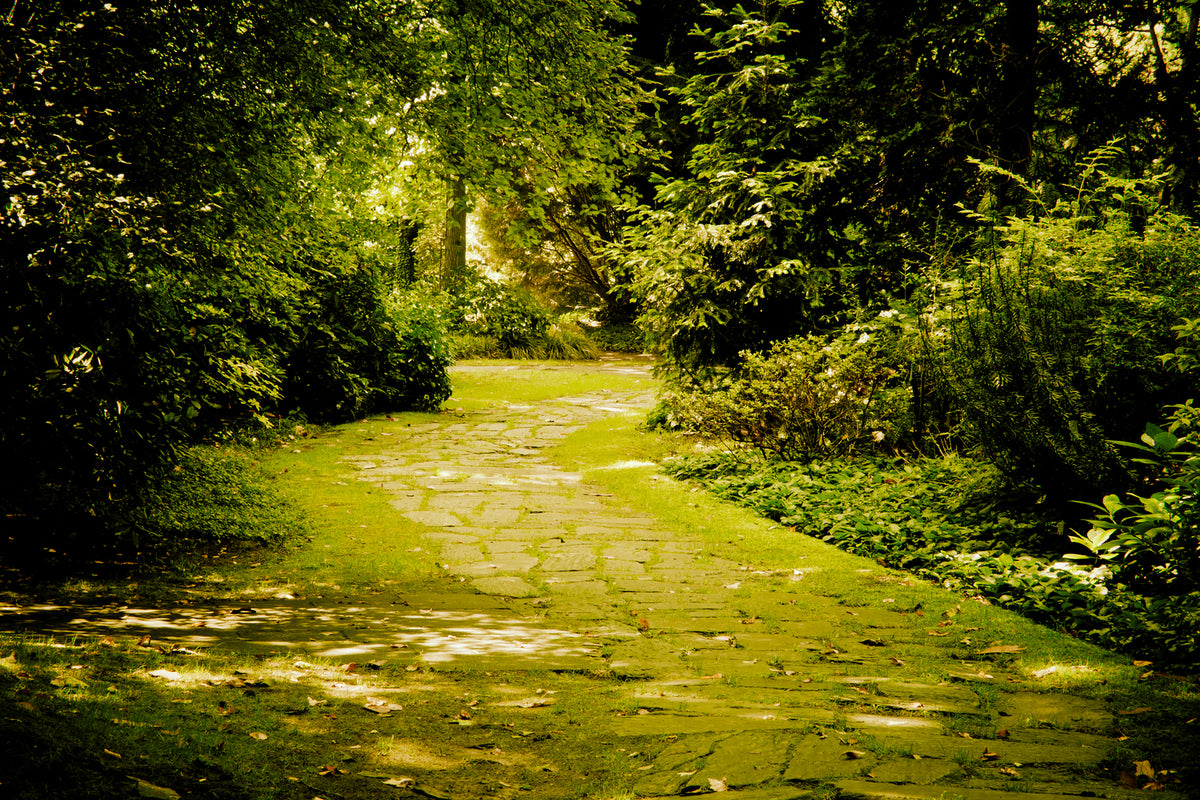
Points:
[339,633]
[412,753]
[619,465]
[490,637]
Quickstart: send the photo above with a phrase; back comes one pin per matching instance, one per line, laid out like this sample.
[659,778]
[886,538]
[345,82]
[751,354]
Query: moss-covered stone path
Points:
[728,678]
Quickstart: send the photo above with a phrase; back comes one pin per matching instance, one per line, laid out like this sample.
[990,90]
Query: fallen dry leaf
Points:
[156,792]
[1041,673]
[166,674]
[401,782]
[381,706]
[144,641]
[1001,648]
[897,662]
[1142,769]
[258,735]
[1143,663]
[988,755]
[718,785]
[1012,773]
[1129,712]
[852,755]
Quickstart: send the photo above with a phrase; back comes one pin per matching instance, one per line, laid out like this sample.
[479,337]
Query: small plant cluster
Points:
[1152,543]
[490,319]
[955,521]
[810,396]
[618,337]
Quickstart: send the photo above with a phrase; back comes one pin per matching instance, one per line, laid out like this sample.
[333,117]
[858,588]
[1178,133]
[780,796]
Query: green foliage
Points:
[566,341]
[804,398]
[618,337]
[1152,543]
[509,314]
[1055,349]
[733,255]
[365,350]
[176,250]
[490,319]
[955,521]
[212,497]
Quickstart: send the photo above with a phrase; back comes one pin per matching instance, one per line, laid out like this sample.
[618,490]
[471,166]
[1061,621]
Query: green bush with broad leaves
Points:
[1152,543]
[177,254]
[812,396]
[365,347]
[1054,352]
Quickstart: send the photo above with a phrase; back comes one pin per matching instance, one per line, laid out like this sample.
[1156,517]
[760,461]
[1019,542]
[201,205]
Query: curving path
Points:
[733,680]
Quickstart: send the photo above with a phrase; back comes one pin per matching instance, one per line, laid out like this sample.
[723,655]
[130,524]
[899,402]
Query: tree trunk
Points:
[1180,99]
[1016,114]
[454,247]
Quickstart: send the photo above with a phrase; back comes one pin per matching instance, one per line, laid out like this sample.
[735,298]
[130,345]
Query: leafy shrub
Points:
[494,320]
[509,314]
[1055,351]
[619,337]
[465,345]
[417,353]
[364,348]
[1152,543]
[804,398]
[567,342]
[213,497]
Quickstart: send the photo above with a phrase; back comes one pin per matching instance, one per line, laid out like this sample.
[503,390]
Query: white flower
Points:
[863,339]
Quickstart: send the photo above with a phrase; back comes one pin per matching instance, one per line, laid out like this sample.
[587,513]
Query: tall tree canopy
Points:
[822,151]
